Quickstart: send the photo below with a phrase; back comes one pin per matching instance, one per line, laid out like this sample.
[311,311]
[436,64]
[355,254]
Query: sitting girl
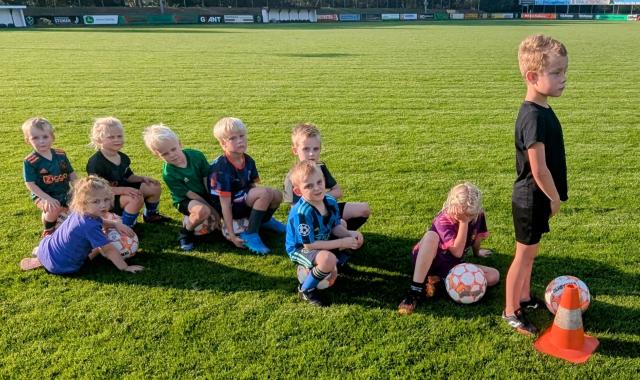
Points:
[80,236]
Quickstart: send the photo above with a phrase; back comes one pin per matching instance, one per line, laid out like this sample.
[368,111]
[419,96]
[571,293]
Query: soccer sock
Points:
[343,257]
[313,278]
[416,288]
[355,223]
[268,214]
[129,219]
[255,220]
[49,225]
[150,208]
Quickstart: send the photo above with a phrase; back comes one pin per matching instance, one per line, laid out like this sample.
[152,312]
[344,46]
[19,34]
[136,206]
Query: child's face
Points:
[312,188]
[171,152]
[113,140]
[234,142]
[308,148]
[551,80]
[98,204]
[40,140]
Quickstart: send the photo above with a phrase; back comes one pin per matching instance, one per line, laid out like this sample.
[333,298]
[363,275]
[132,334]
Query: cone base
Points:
[545,345]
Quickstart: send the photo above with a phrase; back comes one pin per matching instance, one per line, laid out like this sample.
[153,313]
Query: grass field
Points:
[406,111]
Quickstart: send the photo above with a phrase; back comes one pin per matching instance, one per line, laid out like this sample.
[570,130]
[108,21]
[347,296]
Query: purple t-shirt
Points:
[66,250]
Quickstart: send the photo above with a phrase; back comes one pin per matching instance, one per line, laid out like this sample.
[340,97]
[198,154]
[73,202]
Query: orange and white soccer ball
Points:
[554,290]
[327,282]
[239,226]
[112,217]
[204,228]
[126,245]
[466,283]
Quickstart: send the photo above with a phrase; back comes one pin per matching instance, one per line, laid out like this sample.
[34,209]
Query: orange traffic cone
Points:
[566,338]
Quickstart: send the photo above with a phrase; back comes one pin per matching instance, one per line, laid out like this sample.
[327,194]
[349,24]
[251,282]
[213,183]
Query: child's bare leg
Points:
[29,263]
[356,214]
[198,213]
[519,272]
[427,250]
[491,274]
[132,205]
[151,192]
[259,198]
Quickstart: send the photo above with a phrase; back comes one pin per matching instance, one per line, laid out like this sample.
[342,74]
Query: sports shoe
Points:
[311,296]
[155,218]
[274,225]
[186,241]
[519,323]
[533,303]
[408,304]
[430,286]
[254,243]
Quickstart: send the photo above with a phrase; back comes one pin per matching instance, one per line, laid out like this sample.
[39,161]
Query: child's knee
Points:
[326,260]
[152,189]
[276,196]
[127,202]
[199,212]
[365,210]
[492,275]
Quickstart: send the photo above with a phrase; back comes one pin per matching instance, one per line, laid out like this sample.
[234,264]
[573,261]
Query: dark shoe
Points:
[311,296]
[408,304]
[186,241]
[431,285]
[155,218]
[533,303]
[519,323]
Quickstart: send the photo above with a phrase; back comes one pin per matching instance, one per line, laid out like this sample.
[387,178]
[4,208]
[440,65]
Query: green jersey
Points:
[51,176]
[191,178]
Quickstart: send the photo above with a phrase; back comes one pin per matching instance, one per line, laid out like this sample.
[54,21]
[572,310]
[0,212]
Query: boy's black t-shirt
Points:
[116,175]
[538,124]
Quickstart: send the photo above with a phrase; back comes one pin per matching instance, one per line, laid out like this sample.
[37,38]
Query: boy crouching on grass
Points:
[185,172]
[312,220]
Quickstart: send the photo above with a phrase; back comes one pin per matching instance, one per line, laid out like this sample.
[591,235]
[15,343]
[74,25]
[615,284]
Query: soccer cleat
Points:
[274,225]
[254,243]
[430,286]
[311,296]
[408,304]
[519,323]
[186,241]
[155,218]
[533,303]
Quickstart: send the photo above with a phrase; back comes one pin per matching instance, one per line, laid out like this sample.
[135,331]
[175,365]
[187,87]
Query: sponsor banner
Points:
[590,2]
[456,16]
[408,16]
[566,16]
[584,16]
[626,2]
[66,20]
[632,17]
[427,16]
[238,19]
[553,2]
[501,15]
[371,17]
[442,16]
[186,19]
[610,17]
[210,19]
[133,20]
[349,17]
[471,16]
[100,19]
[527,2]
[328,18]
[390,16]
[538,16]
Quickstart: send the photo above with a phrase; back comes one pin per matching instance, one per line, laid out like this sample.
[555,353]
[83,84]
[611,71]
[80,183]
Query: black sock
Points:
[255,220]
[416,288]
[355,223]
[268,214]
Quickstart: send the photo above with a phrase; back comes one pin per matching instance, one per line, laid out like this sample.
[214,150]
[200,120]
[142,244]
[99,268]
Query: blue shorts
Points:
[305,257]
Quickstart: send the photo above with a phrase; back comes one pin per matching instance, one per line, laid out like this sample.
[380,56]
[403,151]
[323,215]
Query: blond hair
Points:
[303,131]
[102,127]
[303,170]
[463,199]
[535,50]
[84,188]
[38,123]
[157,134]
[226,126]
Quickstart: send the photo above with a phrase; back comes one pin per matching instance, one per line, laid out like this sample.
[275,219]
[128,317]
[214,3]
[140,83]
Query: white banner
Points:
[101,19]
[238,19]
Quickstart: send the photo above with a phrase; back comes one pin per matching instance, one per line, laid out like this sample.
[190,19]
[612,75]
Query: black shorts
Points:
[117,209]
[239,208]
[341,208]
[531,222]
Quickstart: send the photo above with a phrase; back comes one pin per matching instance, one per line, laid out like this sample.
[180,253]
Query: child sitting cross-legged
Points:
[312,222]
[81,236]
[460,226]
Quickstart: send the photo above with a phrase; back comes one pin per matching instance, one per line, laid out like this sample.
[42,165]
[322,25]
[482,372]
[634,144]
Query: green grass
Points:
[406,111]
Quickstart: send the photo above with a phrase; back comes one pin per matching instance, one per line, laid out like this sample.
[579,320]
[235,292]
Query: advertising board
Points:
[100,19]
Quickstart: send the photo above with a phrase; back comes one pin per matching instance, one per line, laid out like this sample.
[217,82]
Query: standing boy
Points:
[185,172]
[541,182]
[312,222]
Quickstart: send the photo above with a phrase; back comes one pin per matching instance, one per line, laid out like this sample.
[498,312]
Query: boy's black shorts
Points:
[531,222]
[117,208]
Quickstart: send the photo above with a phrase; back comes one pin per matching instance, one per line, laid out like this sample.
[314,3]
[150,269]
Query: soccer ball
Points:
[328,281]
[239,226]
[126,245]
[113,217]
[466,283]
[554,291]
[204,228]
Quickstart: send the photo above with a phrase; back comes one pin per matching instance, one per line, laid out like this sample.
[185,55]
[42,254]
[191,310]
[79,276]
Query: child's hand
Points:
[149,181]
[349,243]
[236,241]
[484,253]
[50,204]
[124,229]
[358,236]
[555,207]
[129,192]
[133,268]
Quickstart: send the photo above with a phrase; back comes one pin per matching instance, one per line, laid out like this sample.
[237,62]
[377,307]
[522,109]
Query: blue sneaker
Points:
[274,225]
[254,243]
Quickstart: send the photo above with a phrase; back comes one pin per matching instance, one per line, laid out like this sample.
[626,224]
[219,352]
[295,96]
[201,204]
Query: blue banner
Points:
[553,2]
